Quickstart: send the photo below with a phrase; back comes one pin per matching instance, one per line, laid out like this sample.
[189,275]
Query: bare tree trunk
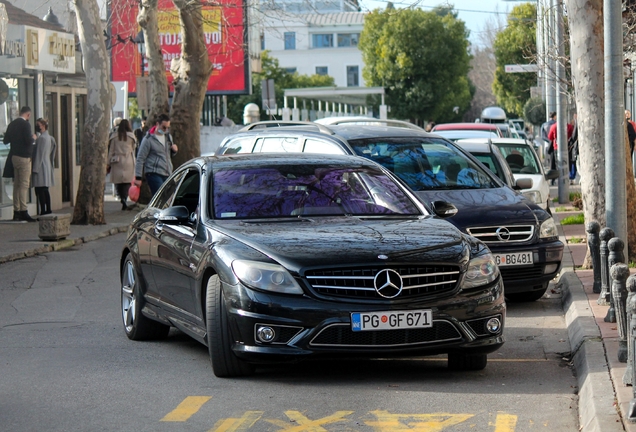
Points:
[191,73]
[585,18]
[89,205]
[147,19]
[631,202]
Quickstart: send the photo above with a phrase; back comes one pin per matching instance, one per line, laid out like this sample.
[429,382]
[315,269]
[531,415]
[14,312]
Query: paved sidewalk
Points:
[603,399]
[20,239]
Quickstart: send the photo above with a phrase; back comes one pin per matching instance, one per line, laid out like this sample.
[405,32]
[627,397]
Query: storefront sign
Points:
[12,40]
[224,37]
[48,50]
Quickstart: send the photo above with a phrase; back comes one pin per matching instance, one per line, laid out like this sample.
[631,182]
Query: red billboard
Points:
[225,38]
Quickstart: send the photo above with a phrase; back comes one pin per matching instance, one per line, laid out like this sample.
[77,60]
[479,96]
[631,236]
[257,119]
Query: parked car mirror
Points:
[444,209]
[552,174]
[523,183]
[176,214]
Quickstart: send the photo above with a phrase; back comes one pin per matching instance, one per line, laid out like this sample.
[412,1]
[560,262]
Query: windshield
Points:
[521,158]
[318,190]
[488,159]
[425,163]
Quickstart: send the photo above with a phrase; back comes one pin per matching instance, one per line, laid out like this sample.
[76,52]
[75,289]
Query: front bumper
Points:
[307,326]
[525,278]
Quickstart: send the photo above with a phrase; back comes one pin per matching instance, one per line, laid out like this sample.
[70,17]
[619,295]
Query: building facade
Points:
[315,37]
[40,67]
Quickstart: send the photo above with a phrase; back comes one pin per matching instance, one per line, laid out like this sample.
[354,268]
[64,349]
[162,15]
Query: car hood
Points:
[484,207]
[329,241]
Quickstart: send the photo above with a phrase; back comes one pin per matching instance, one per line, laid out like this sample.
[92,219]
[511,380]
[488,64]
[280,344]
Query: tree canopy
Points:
[516,44]
[282,79]
[421,58]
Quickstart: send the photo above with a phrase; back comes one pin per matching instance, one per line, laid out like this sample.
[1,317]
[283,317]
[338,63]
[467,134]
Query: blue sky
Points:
[475,13]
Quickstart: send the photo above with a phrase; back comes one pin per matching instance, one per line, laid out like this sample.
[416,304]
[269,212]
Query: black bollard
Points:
[606,291]
[630,306]
[620,273]
[594,244]
[615,256]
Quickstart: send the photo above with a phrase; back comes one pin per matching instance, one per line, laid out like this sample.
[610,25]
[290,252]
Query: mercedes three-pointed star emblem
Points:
[388,283]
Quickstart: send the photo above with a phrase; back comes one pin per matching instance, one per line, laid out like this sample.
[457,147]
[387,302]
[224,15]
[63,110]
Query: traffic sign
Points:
[522,68]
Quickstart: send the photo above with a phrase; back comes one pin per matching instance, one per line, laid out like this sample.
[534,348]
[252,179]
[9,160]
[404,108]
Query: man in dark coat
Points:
[21,138]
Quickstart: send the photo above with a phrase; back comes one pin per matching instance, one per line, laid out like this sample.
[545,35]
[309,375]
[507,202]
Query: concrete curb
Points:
[63,244]
[597,401]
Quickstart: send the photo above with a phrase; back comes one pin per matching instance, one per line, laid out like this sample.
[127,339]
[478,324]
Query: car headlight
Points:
[481,270]
[548,229]
[534,196]
[265,276]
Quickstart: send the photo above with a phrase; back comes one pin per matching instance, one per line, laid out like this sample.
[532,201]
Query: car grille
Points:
[358,283]
[503,234]
[341,335]
[516,273]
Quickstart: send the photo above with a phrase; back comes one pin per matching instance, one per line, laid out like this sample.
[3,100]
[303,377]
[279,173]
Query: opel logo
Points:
[388,283]
[503,234]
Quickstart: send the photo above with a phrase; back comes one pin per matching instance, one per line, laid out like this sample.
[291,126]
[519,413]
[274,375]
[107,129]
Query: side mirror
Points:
[443,209]
[552,174]
[174,215]
[523,183]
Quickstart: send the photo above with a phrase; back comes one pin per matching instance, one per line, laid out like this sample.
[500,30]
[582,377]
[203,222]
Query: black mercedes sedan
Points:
[277,257]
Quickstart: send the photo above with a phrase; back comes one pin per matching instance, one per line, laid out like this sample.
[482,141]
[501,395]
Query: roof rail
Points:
[388,122]
[276,123]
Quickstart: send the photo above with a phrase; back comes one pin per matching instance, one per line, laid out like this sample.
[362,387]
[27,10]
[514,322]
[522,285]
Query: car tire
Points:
[225,363]
[526,297]
[136,325]
[467,362]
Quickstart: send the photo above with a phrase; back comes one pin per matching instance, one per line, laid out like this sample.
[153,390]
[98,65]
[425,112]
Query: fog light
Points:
[493,325]
[265,334]
[550,268]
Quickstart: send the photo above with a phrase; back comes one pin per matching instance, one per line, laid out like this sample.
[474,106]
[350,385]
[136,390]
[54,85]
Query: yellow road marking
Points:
[303,424]
[505,422]
[237,424]
[186,409]
[388,422]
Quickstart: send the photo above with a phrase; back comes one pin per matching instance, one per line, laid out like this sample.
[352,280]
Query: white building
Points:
[315,37]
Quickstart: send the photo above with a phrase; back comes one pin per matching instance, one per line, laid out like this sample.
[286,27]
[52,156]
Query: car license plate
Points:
[514,259]
[391,320]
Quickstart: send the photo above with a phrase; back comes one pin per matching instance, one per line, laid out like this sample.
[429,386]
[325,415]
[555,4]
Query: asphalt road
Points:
[66,365]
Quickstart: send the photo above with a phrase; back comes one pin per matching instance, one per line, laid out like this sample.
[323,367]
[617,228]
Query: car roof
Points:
[474,145]
[255,159]
[355,131]
[465,126]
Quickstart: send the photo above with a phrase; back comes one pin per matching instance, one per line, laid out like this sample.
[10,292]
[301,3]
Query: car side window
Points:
[163,199]
[238,145]
[188,192]
[277,145]
[324,147]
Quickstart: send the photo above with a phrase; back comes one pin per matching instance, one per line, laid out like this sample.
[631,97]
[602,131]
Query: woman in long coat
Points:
[43,163]
[121,160]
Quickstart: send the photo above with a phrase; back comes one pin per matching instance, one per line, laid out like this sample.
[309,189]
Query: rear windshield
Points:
[316,190]
[425,163]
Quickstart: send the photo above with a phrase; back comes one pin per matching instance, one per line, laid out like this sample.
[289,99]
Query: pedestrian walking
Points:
[429,126]
[155,152]
[545,131]
[121,160]
[139,134]
[42,177]
[18,165]
[552,136]
[573,148]
[631,132]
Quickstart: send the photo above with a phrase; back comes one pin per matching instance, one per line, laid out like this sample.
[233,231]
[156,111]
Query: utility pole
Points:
[550,61]
[562,112]
[615,177]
